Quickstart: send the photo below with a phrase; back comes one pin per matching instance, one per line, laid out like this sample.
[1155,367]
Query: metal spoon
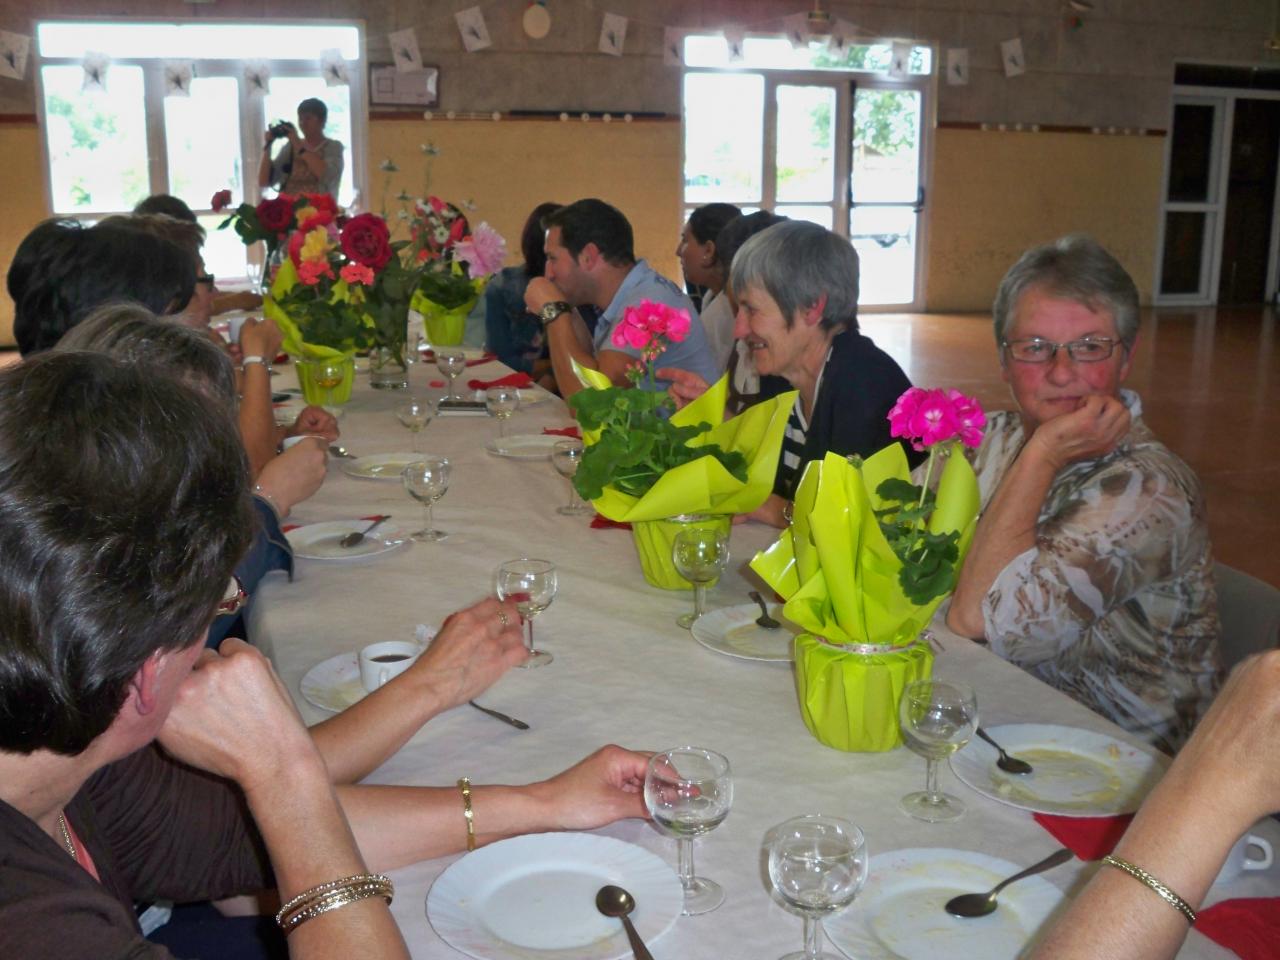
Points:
[764,619]
[356,537]
[518,724]
[980,904]
[1006,763]
[341,452]
[615,902]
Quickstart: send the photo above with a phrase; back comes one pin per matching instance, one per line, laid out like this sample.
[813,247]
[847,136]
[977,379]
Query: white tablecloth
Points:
[623,672]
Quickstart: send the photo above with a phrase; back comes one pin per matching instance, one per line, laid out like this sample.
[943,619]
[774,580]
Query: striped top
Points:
[793,437]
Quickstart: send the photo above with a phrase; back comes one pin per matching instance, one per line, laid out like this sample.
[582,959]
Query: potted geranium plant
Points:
[455,263]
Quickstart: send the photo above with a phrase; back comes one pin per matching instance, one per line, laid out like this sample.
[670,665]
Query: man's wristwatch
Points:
[551,310]
[244,363]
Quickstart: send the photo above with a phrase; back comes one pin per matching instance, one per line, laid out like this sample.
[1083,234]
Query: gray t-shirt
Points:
[294,178]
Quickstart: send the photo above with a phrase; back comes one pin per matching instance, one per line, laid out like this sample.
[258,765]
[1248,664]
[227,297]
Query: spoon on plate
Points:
[1006,763]
[356,537]
[764,619]
[615,902]
[341,452]
[980,904]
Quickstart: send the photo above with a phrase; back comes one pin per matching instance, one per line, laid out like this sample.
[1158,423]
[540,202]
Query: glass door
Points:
[804,122]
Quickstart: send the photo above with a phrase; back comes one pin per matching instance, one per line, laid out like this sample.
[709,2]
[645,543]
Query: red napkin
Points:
[563,432]
[1249,926]
[294,526]
[436,383]
[604,523]
[518,379]
[1089,838]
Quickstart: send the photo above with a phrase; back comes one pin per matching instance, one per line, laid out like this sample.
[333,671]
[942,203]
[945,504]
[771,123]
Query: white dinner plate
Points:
[524,446]
[1075,772]
[319,541]
[333,684]
[900,913]
[379,466]
[734,632]
[535,897]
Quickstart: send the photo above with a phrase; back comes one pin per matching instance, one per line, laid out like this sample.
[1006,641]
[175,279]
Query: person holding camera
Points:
[309,162]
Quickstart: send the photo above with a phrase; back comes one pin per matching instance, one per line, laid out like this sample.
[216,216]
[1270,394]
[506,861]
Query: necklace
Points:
[66,837]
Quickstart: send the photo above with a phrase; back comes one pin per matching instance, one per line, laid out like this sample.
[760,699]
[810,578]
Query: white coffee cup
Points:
[1250,852]
[380,662]
[288,442]
[233,328]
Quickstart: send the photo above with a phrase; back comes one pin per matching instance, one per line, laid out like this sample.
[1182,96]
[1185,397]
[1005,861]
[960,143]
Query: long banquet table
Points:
[624,673]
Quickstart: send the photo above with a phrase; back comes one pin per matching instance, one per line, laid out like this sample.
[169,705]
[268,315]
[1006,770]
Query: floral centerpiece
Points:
[647,463]
[867,559]
[271,221]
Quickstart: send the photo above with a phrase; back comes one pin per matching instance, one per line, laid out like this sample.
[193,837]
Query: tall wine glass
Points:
[700,555]
[412,348]
[565,457]
[426,480]
[689,791]
[450,361]
[330,374]
[415,413]
[501,402]
[938,718]
[817,864]
[532,585]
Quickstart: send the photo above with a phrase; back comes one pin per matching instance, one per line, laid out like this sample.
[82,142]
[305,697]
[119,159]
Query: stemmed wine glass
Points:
[501,402]
[700,555]
[412,346]
[426,480]
[450,361]
[330,374]
[565,457]
[689,791]
[415,413]
[532,585]
[817,864]
[938,717]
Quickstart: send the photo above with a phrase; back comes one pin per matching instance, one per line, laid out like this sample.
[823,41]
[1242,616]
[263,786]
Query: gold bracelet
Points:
[465,786]
[377,884]
[343,896]
[1164,892]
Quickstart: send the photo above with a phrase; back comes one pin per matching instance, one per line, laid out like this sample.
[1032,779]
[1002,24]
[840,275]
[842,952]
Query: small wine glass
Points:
[531,584]
[412,347]
[817,864]
[938,717]
[415,413]
[689,791]
[253,273]
[501,402]
[426,480]
[700,555]
[565,457]
[450,361]
[330,374]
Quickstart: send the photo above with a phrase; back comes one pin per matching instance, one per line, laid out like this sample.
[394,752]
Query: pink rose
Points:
[483,251]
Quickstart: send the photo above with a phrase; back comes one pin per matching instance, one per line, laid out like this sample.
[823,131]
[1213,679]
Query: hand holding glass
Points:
[565,457]
[817,864]
[938,718]
[700,555]
[532,585]
[415,414]
[450,361]
[689,791]
[426,480]
[501,402]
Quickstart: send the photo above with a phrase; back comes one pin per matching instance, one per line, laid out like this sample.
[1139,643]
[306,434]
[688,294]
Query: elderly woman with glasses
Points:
[1090,567]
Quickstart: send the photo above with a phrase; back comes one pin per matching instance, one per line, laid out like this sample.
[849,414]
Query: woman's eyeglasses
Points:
[1085,350]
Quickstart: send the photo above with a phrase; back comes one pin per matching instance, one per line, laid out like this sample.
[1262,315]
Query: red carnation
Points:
[366,240]
[323,202]
[220,200]
[276,216]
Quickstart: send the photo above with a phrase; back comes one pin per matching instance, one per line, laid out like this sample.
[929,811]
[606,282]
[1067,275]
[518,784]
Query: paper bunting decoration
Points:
[673,47]
[177,77]
[736,38]
[1011,52]
[257,77]
[475,33]
[95,72]
[334,69]
[613,34]
[899,60]
[842,34]
[13,54]
[958,67]
[796,28]
[404,50]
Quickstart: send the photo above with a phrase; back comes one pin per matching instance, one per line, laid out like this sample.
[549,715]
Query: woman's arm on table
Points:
[1225,779]
[258,338]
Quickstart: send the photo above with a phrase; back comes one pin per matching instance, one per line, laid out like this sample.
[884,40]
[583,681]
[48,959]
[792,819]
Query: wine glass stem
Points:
[931,779]
[502,427]
[573,495]
[812,938]
[451,378]
[699,599]
[528,633]
[426,507]
[684,847]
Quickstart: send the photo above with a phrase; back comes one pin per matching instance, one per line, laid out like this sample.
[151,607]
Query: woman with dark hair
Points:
[704,267]
[310,162]
[511,331]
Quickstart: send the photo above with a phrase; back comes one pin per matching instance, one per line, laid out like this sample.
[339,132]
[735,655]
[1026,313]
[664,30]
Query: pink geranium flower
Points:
[310,271]
[929,417]
[970,418]
[357,273]
[483,251]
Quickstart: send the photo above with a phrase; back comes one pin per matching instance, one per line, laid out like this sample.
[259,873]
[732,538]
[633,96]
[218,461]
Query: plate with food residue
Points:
[1075,772]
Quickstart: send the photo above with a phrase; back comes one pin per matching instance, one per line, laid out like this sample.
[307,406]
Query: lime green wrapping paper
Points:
[293,343]
[308,371]
[444,326]
[655,539]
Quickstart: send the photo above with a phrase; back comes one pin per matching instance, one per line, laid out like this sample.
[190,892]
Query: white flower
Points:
[430,149]
[388,166]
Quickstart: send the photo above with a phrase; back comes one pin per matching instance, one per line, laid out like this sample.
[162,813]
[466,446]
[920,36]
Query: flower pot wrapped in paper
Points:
[443,244]
[312,358]
[840,568]
[646,465]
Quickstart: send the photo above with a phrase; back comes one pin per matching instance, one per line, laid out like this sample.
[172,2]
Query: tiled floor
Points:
[1210,382]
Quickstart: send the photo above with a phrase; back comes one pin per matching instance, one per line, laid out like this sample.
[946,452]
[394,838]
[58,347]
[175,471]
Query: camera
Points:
[280,129]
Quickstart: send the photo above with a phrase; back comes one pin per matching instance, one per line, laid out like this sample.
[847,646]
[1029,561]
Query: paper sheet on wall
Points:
[257,77]
[673,47]
[735,38]
[1011,52]
[613,34]
[899,59]
[334,69]
[842,34]
[475,32]
[404,50]
[177,77]
[958,67]
[95,66]
[796,27]
[13,54]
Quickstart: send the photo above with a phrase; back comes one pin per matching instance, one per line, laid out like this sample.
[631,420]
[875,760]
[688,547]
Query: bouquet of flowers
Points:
[273,220]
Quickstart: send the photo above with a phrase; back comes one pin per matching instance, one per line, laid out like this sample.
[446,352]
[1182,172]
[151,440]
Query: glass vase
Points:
[387,368]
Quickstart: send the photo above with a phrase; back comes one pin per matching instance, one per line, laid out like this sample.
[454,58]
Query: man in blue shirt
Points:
[590,261]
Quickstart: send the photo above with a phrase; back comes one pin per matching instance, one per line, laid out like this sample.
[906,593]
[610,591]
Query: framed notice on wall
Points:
[389,87]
